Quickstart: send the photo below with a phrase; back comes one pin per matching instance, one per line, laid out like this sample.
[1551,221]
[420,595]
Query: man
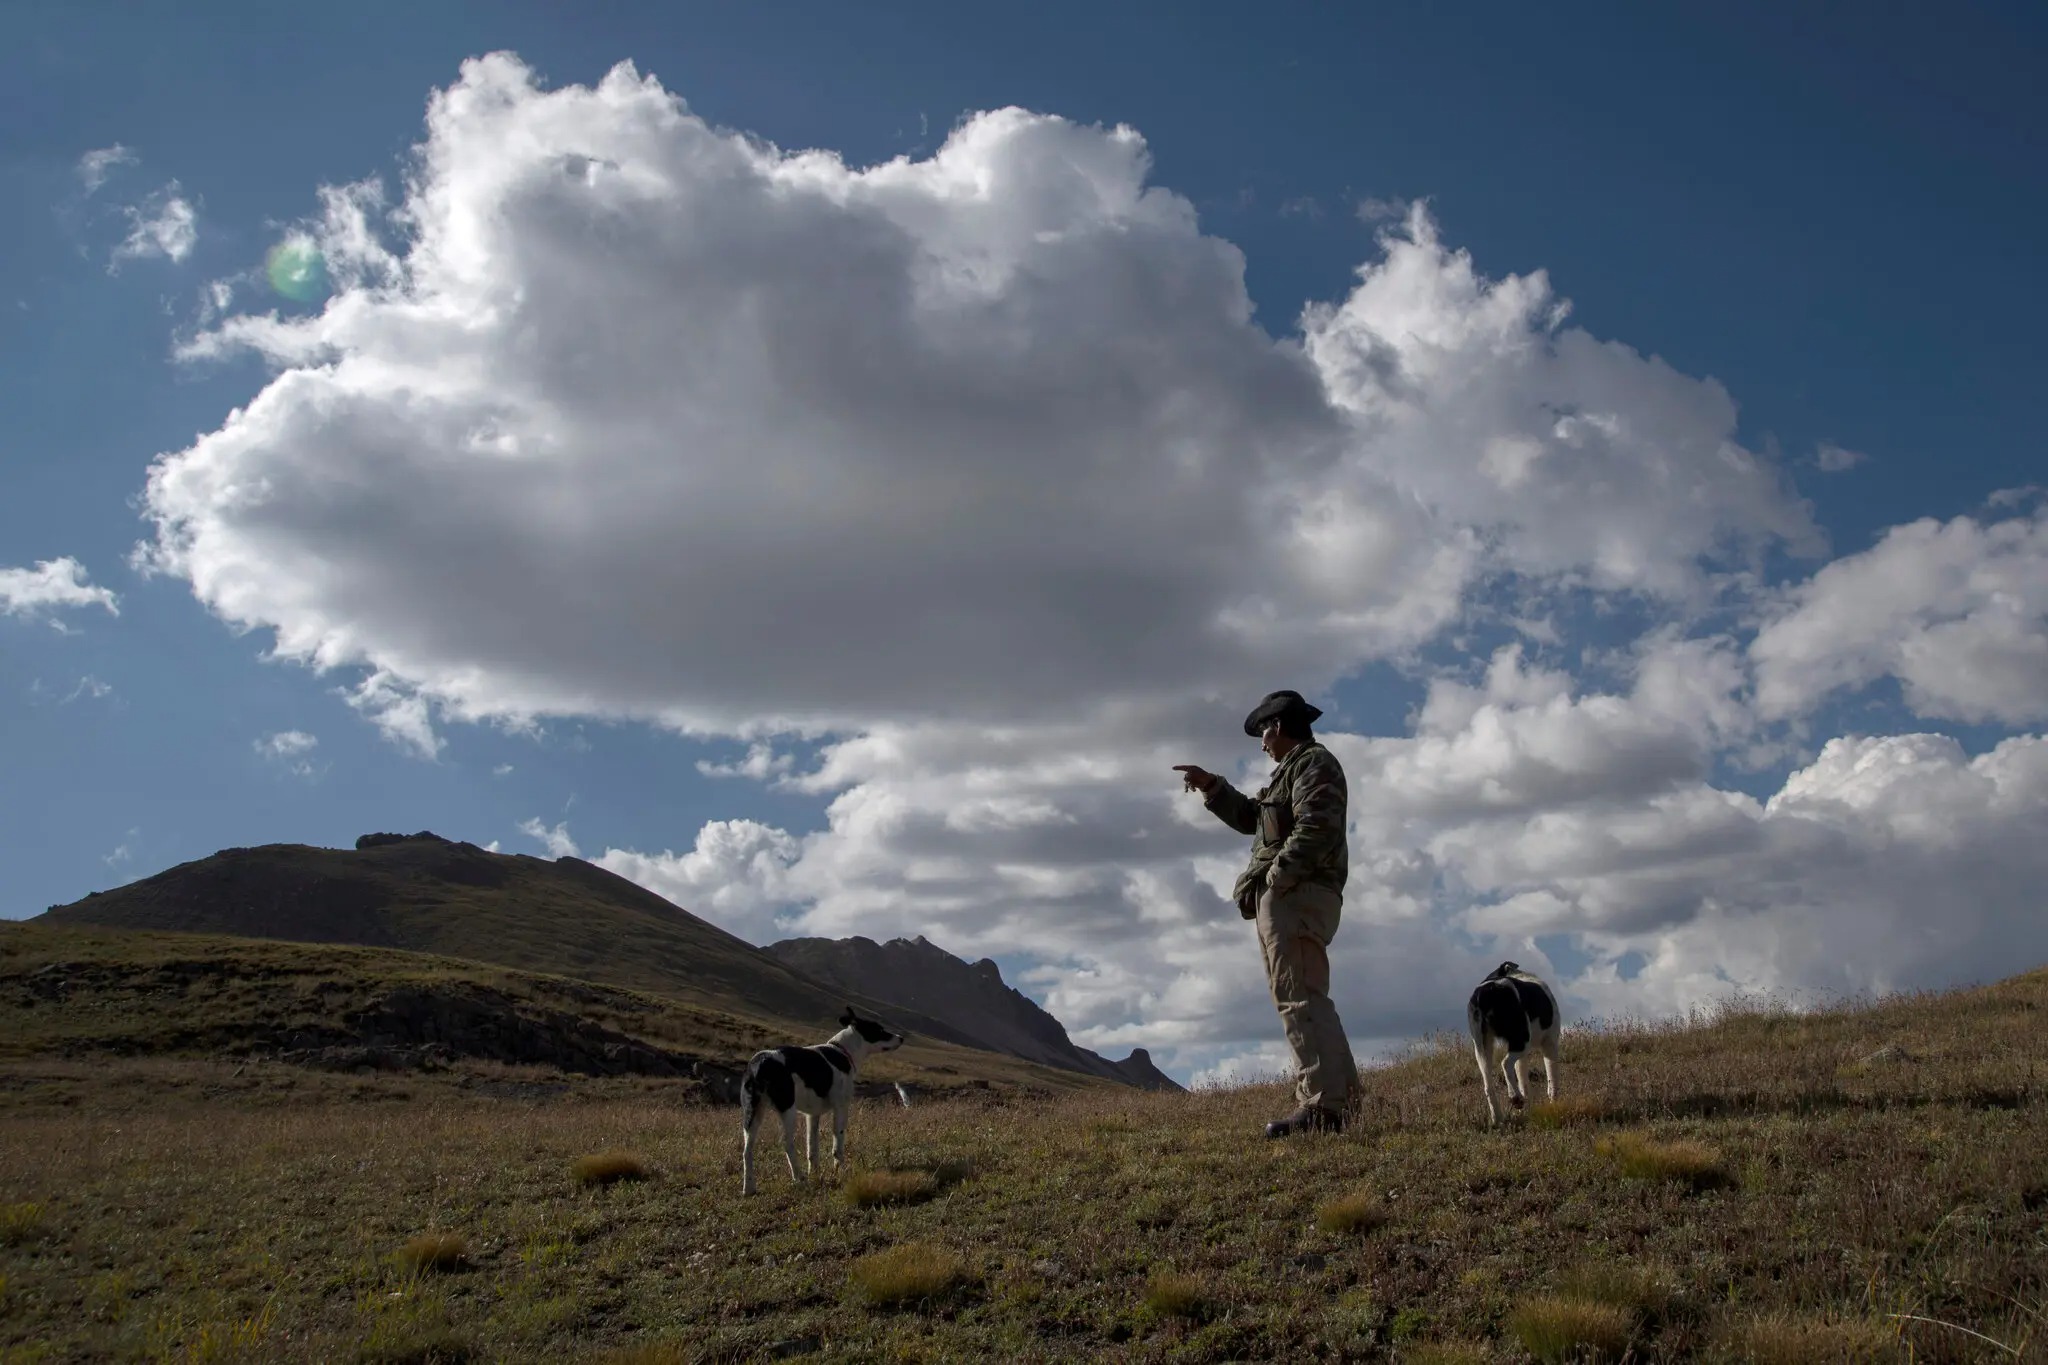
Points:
[1294,888]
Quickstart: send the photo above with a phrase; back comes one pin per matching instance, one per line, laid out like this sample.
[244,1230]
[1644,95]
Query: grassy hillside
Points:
[78,992]
[1852,1185]
[564,917]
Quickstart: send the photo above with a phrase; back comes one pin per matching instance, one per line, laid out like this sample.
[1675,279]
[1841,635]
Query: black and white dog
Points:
[1514,1010]
[807,1081]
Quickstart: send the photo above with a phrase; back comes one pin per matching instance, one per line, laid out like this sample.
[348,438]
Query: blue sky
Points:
[1833,217]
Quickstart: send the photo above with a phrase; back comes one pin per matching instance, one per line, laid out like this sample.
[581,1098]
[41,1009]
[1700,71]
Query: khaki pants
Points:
[1294,933]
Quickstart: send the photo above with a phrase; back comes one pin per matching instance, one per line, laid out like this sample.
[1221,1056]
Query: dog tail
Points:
[749,1093]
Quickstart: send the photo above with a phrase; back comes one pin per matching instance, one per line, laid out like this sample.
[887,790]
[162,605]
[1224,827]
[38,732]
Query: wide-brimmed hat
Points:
[1278,706]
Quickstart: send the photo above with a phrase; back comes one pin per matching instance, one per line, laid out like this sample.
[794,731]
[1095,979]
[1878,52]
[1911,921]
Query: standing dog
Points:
[788,1081]
[1512,1009]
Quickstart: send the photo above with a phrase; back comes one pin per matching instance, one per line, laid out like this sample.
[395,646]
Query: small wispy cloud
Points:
[292,750]
[400,715]
[97,165]
[761,764]
[1377,209]
[553,838]
[502,770]
[123,851]
[88,686]
[1833,459]
[165,224]
[52,585]
[1303,206]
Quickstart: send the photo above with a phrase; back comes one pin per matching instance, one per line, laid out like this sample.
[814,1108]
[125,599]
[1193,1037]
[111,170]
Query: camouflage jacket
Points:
[1297,824]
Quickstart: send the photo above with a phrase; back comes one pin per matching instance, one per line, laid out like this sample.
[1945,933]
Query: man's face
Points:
[1273,742]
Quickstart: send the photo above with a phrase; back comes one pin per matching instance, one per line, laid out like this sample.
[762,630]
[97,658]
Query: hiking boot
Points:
[1307,1119]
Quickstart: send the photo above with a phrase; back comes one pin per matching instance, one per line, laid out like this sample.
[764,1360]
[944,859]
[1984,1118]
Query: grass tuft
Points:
[1633,1288]
[1783,1339]
[605,1168]
[866,1189]
[438,1346]
[21,1224]
[911,1273]
[1172,1294]
[1556,1328]
[1570,1112]
[1449,1352]
[1361,1212]
[1682,1161]
[434,1251]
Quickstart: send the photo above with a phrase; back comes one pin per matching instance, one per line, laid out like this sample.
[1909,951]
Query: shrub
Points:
[1359,1212]
[1561,1329]
[1570,1111]
[1683,1161]
[1172,1294]
[434,1251]
[604,1168]
[865,1189]
[21,1224]
[1452,1352]
[909,1273]
[1781,1339]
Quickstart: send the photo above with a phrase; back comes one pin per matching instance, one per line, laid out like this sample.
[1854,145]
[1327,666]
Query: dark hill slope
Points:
[425,894]
[972,998]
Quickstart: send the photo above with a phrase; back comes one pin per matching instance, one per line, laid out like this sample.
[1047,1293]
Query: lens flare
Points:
[297,270]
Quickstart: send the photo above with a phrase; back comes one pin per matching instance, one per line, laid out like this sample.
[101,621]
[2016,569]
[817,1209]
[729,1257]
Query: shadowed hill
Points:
[972,998]
[81,992]
[426,894]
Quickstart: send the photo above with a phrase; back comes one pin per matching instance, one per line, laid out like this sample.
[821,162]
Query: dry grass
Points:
[1787,1339]
[1683,1161]
[908,1274]
[1360,1212]
[177,1204]
[1568,1112]
[606,1168]
[434,1251]
[1172,1294]
[865,1189]
[1556,1328]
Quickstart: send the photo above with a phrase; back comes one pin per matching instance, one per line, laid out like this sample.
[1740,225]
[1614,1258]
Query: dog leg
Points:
[1550,1067]
[1514,1066]
[789,1145]
[1482,1051]
[811,1125]
[839,1136]
[747,1158]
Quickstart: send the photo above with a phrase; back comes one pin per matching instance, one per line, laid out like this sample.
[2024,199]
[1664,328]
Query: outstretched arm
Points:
[1224,801]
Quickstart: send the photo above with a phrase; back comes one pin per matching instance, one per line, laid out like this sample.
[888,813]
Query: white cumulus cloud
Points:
[51,586]
[974,471]
[1955,611]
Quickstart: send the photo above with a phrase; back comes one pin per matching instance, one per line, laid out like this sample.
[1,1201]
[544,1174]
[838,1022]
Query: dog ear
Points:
[848,1017]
